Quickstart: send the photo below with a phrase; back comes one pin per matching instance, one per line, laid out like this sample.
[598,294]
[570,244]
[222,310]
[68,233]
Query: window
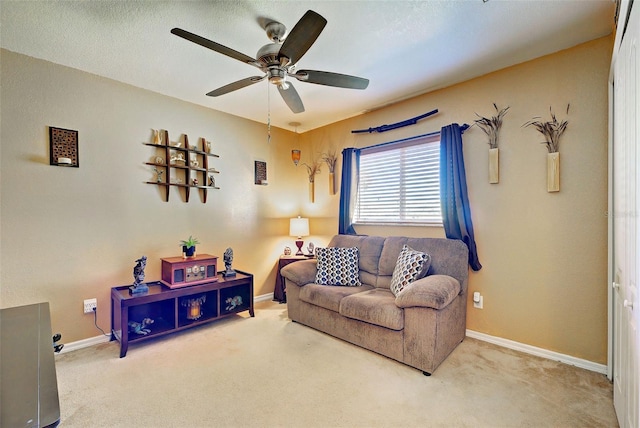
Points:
[399,183]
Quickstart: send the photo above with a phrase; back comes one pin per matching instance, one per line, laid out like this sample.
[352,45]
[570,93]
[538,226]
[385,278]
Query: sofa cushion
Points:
[338,266]
[434,291]
[376,306]
[328,297]
[369,249]
[411,265]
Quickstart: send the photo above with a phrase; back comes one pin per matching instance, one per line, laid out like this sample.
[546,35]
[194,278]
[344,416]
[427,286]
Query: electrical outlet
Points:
[479,303]
[90,305]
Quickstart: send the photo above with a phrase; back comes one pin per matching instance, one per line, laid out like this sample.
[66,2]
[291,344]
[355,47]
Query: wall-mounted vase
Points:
[312,191]
[553,172]
[494,166]
[332,183]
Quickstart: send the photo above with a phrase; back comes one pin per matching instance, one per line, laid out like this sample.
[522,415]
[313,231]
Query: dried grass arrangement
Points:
[312,170]
[492,125]
[552,130]
[330,159]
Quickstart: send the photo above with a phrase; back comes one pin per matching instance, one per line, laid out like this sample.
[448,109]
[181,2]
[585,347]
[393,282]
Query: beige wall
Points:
[544,255]
[70,234]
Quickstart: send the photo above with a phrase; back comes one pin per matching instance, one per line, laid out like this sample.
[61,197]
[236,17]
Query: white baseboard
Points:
[85,343]
[539,352]
[262,298]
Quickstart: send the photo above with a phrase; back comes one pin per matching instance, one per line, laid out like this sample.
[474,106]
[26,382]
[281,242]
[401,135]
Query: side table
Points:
[279,292]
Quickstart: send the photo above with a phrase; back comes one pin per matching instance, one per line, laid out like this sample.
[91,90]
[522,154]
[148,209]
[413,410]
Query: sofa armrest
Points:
[434,291]
[301,273]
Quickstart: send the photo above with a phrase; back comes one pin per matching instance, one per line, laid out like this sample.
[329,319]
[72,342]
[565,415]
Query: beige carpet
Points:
[269,372]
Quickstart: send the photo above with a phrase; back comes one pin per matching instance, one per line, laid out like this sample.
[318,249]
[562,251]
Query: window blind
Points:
[400,183]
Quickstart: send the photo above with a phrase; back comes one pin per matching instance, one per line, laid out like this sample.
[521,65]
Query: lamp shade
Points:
[299,227]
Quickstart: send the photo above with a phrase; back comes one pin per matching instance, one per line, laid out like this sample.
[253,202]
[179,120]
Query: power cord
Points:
[95,321]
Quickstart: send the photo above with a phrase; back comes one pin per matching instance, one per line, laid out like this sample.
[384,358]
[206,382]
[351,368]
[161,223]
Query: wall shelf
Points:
[192,164]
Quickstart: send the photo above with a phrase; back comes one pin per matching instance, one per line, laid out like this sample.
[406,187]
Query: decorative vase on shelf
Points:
[494,165]
[553,172]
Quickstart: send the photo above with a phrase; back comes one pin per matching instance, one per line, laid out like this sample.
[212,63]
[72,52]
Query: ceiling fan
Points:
[278,60]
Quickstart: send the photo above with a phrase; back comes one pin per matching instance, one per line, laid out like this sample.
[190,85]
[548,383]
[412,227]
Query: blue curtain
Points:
[456,213]
[349,171]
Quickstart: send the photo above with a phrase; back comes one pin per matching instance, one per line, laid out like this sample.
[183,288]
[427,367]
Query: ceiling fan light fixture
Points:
[278,77]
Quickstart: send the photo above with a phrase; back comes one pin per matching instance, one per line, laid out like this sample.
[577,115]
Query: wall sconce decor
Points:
[312,171]
[63,147]
[299,227]
[330,159]
[295,156]
[260,172]
[491,127]
[552,131]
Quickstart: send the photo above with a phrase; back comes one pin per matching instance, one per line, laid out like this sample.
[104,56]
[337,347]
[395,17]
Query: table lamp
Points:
[299,227]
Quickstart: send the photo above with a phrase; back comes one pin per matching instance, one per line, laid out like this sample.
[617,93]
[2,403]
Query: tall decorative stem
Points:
[312,192]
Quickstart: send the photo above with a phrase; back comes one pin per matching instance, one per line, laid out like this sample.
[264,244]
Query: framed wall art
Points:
[63,147]
[260,172]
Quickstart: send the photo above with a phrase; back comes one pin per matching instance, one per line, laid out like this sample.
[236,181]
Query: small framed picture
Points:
[63,147]
[260,172]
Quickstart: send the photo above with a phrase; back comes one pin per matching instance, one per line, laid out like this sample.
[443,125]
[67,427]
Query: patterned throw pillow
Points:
[411,265]
[337,266]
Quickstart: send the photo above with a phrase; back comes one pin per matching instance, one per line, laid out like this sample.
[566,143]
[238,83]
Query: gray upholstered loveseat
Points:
[419,327]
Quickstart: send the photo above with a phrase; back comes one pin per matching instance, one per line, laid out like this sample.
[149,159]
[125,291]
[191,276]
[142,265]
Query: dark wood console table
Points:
[29,383]
[177,309]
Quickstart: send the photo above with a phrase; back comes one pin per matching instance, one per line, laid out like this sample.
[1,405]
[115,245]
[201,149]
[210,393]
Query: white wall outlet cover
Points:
[476,296]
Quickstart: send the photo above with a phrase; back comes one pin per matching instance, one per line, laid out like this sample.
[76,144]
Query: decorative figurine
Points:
[212,181]
[157,137]
[179,157]
[140,327]
[233,302]
[194,163]
[159,173]
[228,259]
[208,143]
[194,181]
[138,277]
[287,251]
[310,248]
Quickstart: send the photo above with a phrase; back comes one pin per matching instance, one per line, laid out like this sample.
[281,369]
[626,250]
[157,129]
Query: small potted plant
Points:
[189,247]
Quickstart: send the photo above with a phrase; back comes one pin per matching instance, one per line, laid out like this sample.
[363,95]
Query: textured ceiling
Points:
[403,47]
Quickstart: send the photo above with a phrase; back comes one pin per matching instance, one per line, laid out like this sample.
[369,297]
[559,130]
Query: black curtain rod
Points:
[403,140]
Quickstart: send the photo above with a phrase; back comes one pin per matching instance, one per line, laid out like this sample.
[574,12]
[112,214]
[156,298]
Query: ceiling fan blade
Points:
[235,86]
[331,79]
[302,36]
[291,97]
[214,46]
